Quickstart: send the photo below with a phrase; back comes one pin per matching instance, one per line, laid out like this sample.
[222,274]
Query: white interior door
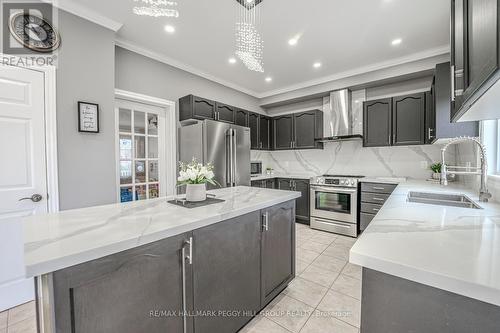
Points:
[22,174]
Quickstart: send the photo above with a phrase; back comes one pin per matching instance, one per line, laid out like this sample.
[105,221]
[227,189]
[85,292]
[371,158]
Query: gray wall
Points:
[85,73]
[140,74]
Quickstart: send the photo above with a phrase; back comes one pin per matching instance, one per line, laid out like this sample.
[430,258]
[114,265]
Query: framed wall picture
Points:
[88,117]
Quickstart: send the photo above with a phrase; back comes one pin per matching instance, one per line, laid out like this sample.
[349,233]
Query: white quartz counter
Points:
[282,175]
[56,241]
[383,180]
[454,249]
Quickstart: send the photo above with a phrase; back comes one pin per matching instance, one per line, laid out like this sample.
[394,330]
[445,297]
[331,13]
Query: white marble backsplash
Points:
[352,158]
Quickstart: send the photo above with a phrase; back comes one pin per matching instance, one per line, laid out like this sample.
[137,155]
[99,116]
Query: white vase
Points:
[196,192]
[436,176]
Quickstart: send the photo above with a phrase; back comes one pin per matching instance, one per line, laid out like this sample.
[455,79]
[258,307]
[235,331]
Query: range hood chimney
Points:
[338,118]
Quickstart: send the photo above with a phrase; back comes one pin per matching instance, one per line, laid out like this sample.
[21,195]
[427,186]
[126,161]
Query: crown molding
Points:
[175,63]
[77,9]
[442,50]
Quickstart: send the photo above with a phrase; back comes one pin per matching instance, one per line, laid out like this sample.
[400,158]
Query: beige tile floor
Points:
[21,319]
[324,297]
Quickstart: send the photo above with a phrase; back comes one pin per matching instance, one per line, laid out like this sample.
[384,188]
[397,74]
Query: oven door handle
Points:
[331,190]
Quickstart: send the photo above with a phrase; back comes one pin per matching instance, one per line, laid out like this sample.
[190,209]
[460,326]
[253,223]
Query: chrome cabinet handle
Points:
[265,222]
[375,209]
[34,198]
[430,133]
[379,188]
[378,199]
[452,83]
[189,258]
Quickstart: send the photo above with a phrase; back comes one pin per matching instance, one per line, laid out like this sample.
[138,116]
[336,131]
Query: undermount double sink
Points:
[442,199]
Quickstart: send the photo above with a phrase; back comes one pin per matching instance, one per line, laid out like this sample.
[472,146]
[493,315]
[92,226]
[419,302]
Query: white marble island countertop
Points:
[56,241]
[450,248]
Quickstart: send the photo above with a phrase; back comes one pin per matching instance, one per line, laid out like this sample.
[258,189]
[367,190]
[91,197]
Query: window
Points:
[491,139]
[140,152]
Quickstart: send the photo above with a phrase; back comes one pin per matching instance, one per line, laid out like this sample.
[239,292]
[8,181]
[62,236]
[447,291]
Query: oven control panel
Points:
[339,182]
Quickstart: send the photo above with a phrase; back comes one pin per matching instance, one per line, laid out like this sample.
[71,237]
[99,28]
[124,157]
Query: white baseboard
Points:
[16,293]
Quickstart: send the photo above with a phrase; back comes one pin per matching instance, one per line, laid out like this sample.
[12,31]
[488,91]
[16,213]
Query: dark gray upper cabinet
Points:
[377,123]
[253,123]
[438,123]
[265,133]
[408,120]
[278,250]
[226,272]
[225,113]
[298,130]
[116,293]
[475,51]
[193,107]
[283,132]
[241,118]
[308,126]
[430,114]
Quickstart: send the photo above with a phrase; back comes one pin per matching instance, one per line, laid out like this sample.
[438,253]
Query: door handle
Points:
[34,198]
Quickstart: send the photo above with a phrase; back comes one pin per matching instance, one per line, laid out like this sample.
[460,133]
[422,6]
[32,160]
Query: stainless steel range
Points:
[334,204]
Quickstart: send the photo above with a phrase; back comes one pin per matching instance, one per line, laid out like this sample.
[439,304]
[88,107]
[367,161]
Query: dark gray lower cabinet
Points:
[124,292]
[302,204]
[303,209]
[373,197]
[278,250]
[238,266]
[226,273]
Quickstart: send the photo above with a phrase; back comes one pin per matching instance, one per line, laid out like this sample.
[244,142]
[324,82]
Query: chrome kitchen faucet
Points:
[484,195]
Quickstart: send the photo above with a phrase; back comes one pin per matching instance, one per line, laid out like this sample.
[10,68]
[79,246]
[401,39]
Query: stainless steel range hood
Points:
[338,118]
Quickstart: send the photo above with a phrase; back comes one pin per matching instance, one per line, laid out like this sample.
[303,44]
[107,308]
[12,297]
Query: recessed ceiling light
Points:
[269,79]
[293,41]
[170,29]
[397,41]
[317,65]
[232,60]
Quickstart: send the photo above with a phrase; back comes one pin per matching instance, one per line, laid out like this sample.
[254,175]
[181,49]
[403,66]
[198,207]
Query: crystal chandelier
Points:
[156,8]
[249,43]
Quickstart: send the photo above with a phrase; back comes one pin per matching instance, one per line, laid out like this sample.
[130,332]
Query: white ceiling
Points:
[346,36]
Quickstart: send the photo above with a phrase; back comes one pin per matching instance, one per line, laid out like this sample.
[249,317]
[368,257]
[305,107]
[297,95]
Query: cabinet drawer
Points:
[364,220]
[375,198]
[370,208]
[377,188]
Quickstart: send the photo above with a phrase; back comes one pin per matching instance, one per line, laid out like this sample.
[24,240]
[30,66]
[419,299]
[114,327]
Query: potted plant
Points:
[269,171]
[436,169]
[195,176]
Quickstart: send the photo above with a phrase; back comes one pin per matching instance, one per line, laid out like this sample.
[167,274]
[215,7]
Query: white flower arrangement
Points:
[196,173]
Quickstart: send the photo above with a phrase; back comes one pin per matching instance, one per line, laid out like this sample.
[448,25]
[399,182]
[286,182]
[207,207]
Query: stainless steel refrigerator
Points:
[226,146]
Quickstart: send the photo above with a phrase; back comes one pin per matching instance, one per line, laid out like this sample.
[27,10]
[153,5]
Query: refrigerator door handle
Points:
[235,161]
[229,154]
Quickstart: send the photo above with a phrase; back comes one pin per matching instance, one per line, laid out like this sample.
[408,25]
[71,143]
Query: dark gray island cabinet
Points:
[211,279]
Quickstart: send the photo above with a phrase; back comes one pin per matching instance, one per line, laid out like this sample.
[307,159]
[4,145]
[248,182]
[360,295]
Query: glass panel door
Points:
[139,154]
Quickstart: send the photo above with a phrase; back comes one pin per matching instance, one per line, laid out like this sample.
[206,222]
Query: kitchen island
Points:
[152,266]
[430,268]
